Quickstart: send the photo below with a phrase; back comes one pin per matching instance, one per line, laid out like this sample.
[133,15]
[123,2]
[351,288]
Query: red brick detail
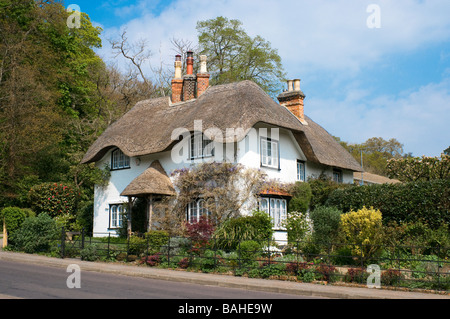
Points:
[202,83]
[188,87]
[294,103]
[177,90]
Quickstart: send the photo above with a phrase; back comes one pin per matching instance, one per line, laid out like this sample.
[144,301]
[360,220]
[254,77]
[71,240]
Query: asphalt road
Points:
[20,280]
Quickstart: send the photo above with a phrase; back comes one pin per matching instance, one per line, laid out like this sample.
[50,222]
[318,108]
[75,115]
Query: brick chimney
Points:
[202,77]
[177,81]
[189,79]
[292,99]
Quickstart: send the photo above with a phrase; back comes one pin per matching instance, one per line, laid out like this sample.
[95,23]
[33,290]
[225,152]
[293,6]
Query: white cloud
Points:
[310,35]
[329,40]
[418,119]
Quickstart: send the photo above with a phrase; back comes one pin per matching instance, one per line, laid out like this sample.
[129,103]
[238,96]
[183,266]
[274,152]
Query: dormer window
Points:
[201,146]
[119,160]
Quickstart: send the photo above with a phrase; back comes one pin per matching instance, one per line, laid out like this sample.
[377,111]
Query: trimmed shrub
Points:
[14,217]
[322,187]
[409,202]
[156,239]
[249,250]
[37,234]
[136,245]
[326,221]
[362,229]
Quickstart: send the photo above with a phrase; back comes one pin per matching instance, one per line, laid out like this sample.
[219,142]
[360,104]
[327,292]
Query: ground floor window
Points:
[195,210]
[116,212]
[337,176]
[276,208]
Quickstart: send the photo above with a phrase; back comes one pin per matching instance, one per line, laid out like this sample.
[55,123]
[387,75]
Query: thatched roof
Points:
[148,126]
[153,180]
[373,178]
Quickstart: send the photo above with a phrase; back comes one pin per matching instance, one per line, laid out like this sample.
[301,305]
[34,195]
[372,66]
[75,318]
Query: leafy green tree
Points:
[325,220]
[447,151]
[374,153]
[423,168]
[50,98]
[233,55]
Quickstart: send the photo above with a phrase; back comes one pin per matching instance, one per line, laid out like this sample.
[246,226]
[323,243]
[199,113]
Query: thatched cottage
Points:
[236,122]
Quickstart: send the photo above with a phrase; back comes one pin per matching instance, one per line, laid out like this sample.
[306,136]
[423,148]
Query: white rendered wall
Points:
[245,152]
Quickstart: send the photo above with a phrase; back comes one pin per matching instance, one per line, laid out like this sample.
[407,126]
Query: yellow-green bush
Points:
[362,230]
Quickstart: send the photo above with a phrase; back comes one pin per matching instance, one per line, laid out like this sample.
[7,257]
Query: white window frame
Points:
[119,160]
[116,213]
[195,210]
[276,208]
[270,152]
[301,171]
[200,146]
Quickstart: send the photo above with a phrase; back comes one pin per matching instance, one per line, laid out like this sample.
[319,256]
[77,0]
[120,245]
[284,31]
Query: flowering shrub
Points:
[53,199]
[363,229]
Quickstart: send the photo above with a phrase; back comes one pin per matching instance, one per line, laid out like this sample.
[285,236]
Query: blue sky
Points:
[360,82]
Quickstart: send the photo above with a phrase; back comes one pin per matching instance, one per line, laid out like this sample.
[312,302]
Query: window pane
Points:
[263,152]
[114,216]
[300,171]
[119,160]
[274,154]
[269,153]
[283,212]
[264,205]
[192,212]
[120,216]
[277,213]
[272,211]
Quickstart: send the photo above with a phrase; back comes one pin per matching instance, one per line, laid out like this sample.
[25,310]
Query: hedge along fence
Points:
[427,201]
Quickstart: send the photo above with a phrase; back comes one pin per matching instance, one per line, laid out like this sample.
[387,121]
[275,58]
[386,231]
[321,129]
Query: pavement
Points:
[277,286]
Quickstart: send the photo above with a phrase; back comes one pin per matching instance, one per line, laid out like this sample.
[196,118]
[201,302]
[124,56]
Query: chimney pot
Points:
[292,99]
[202,76]
[289,83]
[297,85]
[190,62]
[203,68]
[178,66]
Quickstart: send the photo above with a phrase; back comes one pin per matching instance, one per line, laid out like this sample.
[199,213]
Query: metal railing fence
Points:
[414,267]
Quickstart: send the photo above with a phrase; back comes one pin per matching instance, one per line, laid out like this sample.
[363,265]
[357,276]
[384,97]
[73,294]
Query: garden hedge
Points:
[427,201]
